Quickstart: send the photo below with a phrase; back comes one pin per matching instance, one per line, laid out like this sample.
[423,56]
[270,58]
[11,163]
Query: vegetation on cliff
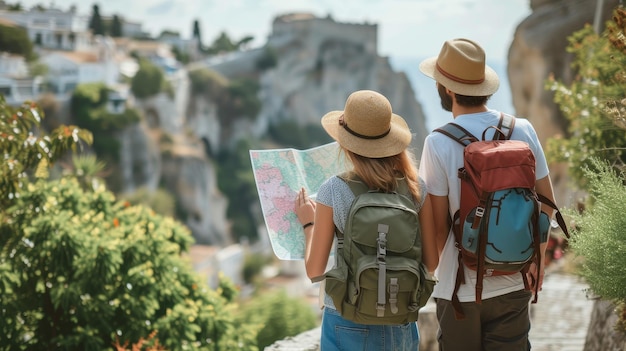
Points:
[595,150]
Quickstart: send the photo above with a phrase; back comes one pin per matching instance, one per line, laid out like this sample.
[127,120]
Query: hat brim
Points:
[489,86]
[395,142]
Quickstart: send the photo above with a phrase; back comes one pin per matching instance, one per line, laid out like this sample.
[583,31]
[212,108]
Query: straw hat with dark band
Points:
[461,68]
[367,126]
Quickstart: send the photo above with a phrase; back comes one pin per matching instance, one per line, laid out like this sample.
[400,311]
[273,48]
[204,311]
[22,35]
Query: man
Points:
[501,322]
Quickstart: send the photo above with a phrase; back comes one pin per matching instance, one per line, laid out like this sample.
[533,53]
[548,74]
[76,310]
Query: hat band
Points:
[457,79]
[370,137]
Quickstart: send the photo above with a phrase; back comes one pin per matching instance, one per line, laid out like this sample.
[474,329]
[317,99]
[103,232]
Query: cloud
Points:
[165,6]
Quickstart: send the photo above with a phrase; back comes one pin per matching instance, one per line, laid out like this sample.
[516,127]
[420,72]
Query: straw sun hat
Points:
[461,68]
[367,126]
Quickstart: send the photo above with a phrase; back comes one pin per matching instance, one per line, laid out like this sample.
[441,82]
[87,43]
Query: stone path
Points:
[561,316]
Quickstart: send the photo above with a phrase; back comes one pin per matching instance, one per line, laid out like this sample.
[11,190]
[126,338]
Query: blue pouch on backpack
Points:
[510,238]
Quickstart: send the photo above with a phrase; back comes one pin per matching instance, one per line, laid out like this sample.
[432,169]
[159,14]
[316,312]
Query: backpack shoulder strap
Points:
[356,185]
[559,216]
[457,133]
[505,127]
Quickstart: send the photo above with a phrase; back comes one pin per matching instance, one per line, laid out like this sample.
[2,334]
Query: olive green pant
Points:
[498,323]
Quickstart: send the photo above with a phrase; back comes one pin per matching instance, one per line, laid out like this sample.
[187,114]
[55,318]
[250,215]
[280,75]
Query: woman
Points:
[375,141]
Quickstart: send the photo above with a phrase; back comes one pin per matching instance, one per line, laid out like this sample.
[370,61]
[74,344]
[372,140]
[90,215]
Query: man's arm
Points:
[441,216]
[543,186]
[430,254]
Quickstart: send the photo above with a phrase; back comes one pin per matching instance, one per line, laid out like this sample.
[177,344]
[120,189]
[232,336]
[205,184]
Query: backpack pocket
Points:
[469,235]
[507,224]
[336,285]
[427,286]
[402,295]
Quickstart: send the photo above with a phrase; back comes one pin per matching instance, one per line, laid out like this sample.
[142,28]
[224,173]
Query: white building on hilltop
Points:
[53,28]
[67,69]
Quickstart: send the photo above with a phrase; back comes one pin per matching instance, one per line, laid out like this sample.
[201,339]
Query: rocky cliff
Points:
[319,62]
[538,51]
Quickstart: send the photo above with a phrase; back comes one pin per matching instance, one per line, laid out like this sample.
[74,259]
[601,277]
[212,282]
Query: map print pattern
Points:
[279,174]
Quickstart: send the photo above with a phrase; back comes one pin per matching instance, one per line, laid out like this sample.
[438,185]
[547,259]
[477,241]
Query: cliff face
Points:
[319,63]
[537,51]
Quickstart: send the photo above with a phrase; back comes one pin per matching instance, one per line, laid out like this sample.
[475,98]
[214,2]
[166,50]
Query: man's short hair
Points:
[471,101]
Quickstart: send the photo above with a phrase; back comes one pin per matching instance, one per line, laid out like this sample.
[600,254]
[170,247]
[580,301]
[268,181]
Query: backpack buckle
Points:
[382,241]
[480,212]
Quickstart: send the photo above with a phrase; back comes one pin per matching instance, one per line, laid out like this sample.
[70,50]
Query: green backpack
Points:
[379,277]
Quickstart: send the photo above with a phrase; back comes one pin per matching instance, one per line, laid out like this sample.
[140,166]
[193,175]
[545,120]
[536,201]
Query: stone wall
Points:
[602,335]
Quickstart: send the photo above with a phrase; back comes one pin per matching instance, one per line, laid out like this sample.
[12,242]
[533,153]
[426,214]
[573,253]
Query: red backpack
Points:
[499,226]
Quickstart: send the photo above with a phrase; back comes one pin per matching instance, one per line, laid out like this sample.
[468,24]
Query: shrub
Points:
[160,200]
[267,60]
[207,82]
[599,236]
[280,315]
[80,270]
[239,100]
[148,81]
[14,39]
[253,266]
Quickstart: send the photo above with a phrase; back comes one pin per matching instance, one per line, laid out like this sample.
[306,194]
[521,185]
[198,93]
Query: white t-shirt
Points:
[441,159]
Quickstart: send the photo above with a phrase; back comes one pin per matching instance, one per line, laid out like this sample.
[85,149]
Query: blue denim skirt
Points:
[344,335]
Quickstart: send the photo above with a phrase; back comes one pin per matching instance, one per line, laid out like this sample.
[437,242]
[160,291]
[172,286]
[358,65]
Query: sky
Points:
[406,28]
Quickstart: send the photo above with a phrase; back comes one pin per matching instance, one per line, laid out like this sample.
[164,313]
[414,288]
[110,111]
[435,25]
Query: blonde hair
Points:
[383,173]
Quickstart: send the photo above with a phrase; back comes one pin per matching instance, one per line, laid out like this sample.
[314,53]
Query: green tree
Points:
[88,108]
[268,59]
[223,43]
[15,40]
[95,22]
[592,104]
[244,42]
[180,55]
[16,7]
[240,100]
[116,27]
[80,270]
[144,284]
[197,34]
[148,81]
[26,153]
[87,170]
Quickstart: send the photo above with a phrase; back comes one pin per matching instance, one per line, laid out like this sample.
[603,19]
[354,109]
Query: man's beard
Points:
[446,100]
